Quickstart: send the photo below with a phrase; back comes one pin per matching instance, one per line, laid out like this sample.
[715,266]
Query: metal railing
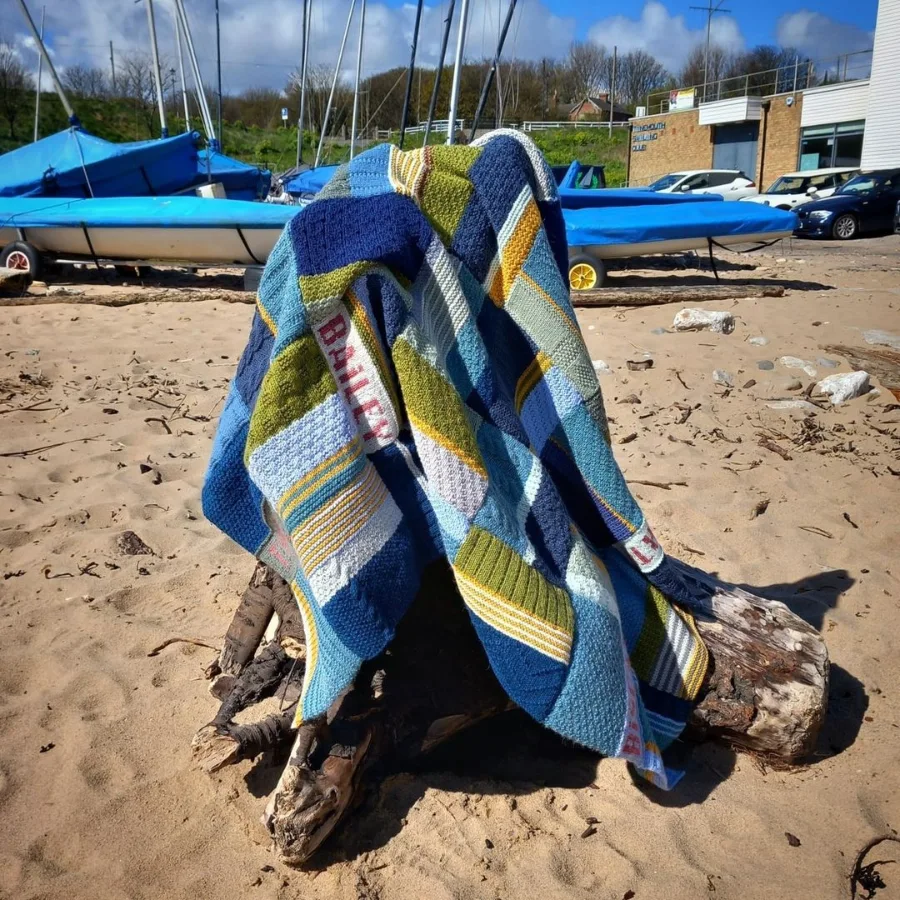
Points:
[569,123]
[799,75]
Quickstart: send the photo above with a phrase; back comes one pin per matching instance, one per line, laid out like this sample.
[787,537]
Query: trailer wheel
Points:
[21,256]
[586,273]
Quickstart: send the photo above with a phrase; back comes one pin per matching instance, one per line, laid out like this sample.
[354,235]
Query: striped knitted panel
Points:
[511,596]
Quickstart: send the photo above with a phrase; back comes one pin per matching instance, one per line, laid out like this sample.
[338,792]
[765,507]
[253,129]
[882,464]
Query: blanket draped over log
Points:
[415,385]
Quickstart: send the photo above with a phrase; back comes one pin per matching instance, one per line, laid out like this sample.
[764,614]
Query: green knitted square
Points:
[434,406]
[298,380]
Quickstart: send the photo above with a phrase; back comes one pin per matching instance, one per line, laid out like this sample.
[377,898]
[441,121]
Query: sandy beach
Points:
[106,420]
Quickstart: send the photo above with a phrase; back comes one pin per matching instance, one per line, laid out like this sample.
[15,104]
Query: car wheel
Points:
[845,227]
[586,273]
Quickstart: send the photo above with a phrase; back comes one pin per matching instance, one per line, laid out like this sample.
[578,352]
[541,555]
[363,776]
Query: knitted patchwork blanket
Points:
[415,385]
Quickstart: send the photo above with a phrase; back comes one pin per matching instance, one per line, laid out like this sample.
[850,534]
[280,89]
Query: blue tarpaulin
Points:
[684,221]
[241,181]
[64,164]
[309,182]
[142,212]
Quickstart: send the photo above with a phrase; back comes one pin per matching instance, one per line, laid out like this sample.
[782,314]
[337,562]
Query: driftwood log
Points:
[766,691]
[635,295]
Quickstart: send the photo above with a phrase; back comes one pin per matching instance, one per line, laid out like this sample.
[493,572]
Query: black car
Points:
[865,203]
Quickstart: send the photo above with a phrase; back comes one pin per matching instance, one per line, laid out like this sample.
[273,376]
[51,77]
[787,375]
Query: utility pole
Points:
[219,81]
[710,11]
[112,69]
[612,90]
[37,93]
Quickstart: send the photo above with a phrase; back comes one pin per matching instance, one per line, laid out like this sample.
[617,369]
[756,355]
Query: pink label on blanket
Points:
[644,549]
[358,379]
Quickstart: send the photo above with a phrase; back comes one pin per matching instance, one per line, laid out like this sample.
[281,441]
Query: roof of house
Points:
[601,103]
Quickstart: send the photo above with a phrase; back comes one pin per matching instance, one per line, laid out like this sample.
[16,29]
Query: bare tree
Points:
[587,68]
[14,82]
[637,75]
[83,81]
[694,71]
[136,84]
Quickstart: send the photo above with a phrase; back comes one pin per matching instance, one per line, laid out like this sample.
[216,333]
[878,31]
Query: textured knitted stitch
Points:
[416,385]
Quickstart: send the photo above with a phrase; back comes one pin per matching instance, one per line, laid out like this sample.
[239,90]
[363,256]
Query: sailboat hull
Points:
[169,230]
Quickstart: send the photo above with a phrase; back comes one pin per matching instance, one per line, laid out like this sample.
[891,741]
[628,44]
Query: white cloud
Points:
[821,37]
[261,40]
[667,37]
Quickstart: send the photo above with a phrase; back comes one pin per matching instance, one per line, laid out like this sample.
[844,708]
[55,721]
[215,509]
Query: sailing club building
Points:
[783,125]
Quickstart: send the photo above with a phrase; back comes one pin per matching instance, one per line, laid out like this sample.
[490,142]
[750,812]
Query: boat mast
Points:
[219,79]
[157,78]
[307,21]
[198,81]
[337,72]
[57,84]
[457,72]
[359,52]
[409,75]
[184,96]
[37,92]
[486,88]
[432,105]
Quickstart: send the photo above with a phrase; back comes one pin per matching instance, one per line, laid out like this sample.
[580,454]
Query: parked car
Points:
[801,187]
[732,184]
[865,203]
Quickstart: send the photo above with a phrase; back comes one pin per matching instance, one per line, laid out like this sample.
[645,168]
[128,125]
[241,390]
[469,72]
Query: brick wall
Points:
[680,143]
[782,139]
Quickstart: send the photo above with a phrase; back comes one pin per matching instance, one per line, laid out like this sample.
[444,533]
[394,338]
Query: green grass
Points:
[119,120]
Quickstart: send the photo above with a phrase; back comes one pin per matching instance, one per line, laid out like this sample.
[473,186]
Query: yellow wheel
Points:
[582,277]
[585,273]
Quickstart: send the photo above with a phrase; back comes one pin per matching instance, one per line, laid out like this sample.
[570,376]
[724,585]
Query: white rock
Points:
[844,386]
[703,320]
[726,379]
[600,367]
[792,362]
[760,341]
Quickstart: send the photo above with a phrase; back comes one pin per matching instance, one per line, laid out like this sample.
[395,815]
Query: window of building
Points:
[824,146]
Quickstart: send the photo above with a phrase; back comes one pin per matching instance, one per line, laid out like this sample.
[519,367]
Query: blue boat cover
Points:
[63,164]
[143,212]
[241,181]
[648,224]
[573,197]
[310,182]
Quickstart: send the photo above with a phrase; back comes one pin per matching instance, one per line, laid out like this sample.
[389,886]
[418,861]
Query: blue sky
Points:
[260,38]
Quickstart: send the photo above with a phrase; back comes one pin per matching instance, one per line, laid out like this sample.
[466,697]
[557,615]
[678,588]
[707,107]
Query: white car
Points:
[732,184]
[800,187]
